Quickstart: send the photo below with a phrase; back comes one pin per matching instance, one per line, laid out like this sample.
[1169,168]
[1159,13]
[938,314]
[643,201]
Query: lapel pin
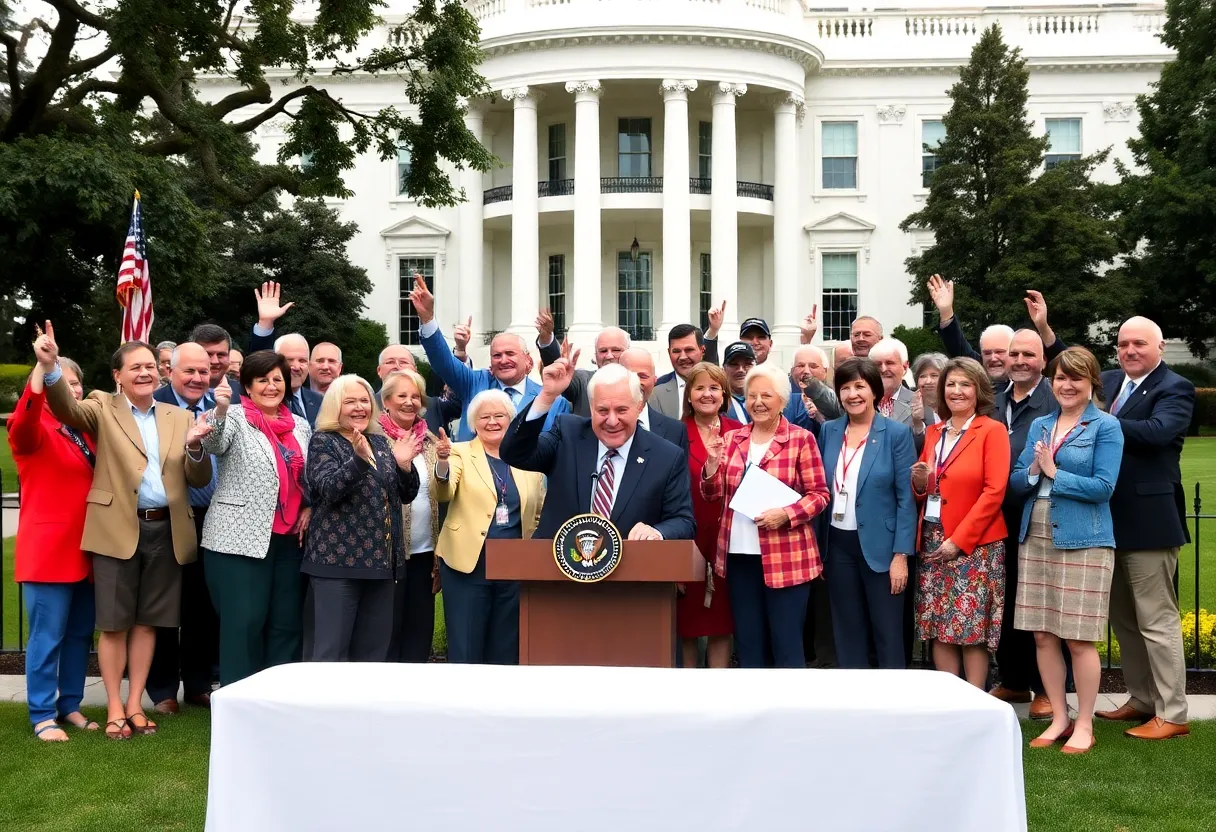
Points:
[640,460]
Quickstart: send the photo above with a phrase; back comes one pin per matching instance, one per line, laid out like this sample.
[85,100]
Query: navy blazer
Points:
[1149,505]
[886,509]
[670,429]
[654,488]
[957,346]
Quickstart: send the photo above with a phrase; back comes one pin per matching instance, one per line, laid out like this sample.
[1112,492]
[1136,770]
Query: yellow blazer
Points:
[469,492]
[110,525]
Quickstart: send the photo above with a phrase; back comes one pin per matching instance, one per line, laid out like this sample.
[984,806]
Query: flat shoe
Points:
[1068,749]
[1043,742]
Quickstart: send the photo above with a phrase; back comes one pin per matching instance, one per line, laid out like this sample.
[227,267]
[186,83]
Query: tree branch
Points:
[13,66]
[273,110]
[271,178]
[258,93]
[90,64]
[74,9]
[79,92]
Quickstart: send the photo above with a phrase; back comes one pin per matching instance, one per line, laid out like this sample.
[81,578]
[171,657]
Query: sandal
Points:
[86,725]
[147,729]
[50,726]
[123,731]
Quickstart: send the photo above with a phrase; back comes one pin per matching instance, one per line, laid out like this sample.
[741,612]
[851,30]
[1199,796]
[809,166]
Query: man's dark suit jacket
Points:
[672,430]
[1042,402]
[1149,504]
[654,488]
[957,345]
[576,393]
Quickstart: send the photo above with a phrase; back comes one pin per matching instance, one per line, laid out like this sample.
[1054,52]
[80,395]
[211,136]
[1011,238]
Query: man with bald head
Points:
[1153,405]
[508,370]
[840,352]
[324,366]
[641,363]
[610,345]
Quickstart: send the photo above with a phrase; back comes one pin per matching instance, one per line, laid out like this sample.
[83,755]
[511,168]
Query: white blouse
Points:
[744,533]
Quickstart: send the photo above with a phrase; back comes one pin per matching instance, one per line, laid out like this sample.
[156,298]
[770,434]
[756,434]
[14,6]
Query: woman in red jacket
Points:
[55,469]
[960,482]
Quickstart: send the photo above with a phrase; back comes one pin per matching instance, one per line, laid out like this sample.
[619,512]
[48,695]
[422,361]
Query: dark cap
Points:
[755,323]
[738,350]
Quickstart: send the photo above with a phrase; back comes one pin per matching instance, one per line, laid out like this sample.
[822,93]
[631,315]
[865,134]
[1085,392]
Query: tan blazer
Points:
[469,491]
[111,527]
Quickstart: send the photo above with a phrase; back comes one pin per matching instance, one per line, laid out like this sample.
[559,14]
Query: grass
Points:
[161,782]
[7,467]
[1199,466]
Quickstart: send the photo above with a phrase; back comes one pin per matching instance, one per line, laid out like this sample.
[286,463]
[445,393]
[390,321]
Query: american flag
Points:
[134,286]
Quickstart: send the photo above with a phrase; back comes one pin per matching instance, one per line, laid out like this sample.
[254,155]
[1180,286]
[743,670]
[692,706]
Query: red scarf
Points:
[395,432]
[289,461]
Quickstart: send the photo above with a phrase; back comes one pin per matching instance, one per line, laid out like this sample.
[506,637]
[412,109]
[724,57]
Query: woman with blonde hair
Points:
[358,480]
[488,500]
[405,407]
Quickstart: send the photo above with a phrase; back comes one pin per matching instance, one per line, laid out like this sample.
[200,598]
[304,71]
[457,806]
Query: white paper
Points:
[759,491]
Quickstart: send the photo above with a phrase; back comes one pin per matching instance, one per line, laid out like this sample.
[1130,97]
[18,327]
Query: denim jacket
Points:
[1088,466]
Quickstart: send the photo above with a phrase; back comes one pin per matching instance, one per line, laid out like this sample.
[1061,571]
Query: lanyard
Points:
[501,485]
[940,465]
[846,459]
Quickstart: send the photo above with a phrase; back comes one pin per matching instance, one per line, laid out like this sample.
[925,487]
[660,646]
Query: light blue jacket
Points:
[1088,466]
[886,510]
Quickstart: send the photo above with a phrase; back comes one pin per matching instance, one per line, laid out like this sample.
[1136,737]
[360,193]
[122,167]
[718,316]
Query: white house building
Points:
[759,152]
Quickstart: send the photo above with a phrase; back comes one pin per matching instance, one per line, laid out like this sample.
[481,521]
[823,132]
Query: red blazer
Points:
[707,513]
[790,554]
[55,478]
[973,483]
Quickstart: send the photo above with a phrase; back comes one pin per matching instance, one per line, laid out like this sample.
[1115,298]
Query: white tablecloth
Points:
[439,748]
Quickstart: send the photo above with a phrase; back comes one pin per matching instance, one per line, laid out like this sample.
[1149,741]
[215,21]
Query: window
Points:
[839,295]
[705,150]
[1064,137]
[840,155]
[557,152]
[705,295]
[633,147]
[406,268]
[931,134]
[404,161]
[557,293]
[635,296]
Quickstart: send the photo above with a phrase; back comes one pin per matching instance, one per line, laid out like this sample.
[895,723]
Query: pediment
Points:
[840,222]
[415,226]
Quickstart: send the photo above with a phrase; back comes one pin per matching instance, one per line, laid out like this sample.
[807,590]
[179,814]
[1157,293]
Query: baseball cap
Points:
[755,323]
[739,350]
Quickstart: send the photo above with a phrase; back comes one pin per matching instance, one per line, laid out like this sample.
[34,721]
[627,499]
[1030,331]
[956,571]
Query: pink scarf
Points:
[289,461]
[395,432]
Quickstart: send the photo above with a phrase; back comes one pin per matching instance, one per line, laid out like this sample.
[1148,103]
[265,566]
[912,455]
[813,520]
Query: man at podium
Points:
[602,464]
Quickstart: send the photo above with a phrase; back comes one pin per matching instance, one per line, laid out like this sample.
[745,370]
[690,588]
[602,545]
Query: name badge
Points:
[840,504]
[933,508]
[502,517]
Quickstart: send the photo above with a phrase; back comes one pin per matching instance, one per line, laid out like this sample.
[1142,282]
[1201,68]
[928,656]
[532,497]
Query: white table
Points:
[441,748]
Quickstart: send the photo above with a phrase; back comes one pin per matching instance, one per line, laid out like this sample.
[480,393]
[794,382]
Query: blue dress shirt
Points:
[200,497]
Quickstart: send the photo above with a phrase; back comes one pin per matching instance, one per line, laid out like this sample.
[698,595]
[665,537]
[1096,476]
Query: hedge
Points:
[12,382]
[1205,408]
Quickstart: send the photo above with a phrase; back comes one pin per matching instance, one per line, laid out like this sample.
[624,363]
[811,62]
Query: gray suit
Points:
[666,398]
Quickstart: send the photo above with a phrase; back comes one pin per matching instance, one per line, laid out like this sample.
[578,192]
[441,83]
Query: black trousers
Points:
[818,641]
[352,619]
[1016,656]
[413,612]
[188,654]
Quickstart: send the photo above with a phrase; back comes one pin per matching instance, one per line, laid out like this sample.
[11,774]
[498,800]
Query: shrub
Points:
[12,382]
[1201,375]
[919,340]
[1205,408]
[1207,641]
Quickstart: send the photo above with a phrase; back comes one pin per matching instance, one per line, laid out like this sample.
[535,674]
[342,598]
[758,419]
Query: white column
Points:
[472,237]
[786,227]
[586,319]
[723,210]
[677,244]
[525,228]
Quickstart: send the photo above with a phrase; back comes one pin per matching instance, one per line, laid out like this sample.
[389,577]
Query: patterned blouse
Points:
[356,529]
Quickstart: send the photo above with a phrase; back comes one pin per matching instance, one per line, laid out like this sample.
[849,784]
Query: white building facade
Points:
[759,152]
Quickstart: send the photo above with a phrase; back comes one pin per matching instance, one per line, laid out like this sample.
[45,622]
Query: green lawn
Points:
[161,782]
[1199,466]
[7,467]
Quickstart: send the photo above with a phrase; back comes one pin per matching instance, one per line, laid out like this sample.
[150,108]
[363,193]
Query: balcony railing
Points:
[700,186]
[755,190]
[631,185]
[502,193]
[555,187]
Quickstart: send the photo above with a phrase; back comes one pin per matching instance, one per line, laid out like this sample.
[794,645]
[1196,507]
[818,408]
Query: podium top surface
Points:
[642,561]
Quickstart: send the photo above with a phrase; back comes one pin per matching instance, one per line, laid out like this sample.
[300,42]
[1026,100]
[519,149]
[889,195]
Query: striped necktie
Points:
[1123,397]
[601,503]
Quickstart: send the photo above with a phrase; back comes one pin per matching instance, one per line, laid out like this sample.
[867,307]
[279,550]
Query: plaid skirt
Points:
[1065,592]
[961,602]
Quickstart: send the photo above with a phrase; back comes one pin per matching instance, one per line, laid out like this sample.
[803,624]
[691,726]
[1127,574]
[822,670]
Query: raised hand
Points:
[405,449]
[462,334]
[269,307]
[544,326]
[920,477]
[223,396]
[810,325]
[716,315]
[942,293]
[363,448]
[443,449]
[557,376]
[1036,308]
[198,430]
[918,408]
[45,348]
[423,300]
[715,447]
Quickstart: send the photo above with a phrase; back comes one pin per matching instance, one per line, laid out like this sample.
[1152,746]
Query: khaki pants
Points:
[1144,615]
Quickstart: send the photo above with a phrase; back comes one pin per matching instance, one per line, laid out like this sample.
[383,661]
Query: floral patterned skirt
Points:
[961,602]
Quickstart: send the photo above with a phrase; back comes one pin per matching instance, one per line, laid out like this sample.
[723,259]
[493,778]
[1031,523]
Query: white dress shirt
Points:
[1127,380]
[744,533]
[420,510]
[644,417]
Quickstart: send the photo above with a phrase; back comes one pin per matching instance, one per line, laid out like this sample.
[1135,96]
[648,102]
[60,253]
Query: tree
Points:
[1169,200]
[999,228]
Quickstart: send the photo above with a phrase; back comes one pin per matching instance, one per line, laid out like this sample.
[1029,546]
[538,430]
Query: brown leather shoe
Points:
[1040,707]
[1012,696]
[166,706]
[1124,713]
[200,700]
[1158,729]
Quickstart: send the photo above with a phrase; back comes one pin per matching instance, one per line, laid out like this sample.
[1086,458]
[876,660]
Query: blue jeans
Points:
[57,655]
[482,616]
[764,617]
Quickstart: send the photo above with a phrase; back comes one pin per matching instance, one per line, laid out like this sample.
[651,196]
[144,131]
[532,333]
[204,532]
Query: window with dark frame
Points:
[839,295]
[406,268]
[705,150]
[705,295]
[404,161]
[1064,137]
[557,152]
[633,147]
[635,295]
[557,294]
[931,135]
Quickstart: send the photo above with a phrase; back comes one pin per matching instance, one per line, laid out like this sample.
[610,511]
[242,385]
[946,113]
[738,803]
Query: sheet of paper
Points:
[759,491]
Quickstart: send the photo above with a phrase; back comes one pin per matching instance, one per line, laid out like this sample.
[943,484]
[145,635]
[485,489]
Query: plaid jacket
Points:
[790,554]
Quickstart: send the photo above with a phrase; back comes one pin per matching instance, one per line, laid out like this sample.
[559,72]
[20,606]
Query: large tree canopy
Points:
[1170,207]
[1000,225]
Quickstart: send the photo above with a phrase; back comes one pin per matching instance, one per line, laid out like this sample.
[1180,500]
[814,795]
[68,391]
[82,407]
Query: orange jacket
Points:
[972,484]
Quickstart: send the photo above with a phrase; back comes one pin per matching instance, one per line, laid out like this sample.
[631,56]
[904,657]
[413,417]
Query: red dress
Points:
[693,618]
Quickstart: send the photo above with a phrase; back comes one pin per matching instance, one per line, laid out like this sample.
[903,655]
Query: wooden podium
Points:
[626,620]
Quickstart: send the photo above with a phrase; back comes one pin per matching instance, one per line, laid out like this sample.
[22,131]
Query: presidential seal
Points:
[587,548]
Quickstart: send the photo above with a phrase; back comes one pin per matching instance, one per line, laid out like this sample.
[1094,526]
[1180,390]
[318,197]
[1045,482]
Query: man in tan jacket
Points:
[138,522]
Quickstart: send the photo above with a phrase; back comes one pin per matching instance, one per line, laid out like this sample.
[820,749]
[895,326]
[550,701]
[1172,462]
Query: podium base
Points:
[610,624]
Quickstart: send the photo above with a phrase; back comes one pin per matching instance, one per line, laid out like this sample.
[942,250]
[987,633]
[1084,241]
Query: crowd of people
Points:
[222,513]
